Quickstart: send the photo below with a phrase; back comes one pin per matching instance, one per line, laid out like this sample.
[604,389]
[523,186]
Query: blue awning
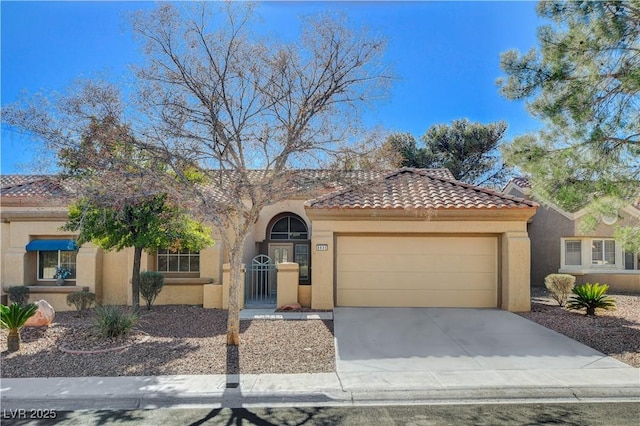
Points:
[52,245]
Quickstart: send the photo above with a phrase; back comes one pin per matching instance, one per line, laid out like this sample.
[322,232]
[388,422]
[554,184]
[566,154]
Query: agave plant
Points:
[13,318]
[591,297]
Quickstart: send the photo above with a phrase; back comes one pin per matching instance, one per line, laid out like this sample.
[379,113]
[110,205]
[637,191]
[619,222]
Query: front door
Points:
[281,252]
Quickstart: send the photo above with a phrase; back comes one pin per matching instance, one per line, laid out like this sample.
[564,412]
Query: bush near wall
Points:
[560,286]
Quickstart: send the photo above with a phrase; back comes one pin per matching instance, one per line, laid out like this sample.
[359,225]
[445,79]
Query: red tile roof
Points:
[37,186]
[417,189]
[51,186]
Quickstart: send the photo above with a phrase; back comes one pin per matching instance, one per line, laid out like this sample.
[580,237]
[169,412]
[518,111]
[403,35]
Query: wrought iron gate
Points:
[260,282]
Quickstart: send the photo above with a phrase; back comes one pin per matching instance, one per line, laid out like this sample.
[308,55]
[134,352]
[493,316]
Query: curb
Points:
[235,398]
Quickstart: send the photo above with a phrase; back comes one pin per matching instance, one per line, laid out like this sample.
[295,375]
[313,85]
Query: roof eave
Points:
[443,214]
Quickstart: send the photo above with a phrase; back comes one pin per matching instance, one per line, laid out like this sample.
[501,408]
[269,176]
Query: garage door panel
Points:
[416,262]
[417,271]
[392,281]
[419,299]
[425,245]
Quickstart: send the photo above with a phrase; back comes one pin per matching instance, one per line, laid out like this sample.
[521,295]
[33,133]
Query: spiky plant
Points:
[591,297]
[13,318]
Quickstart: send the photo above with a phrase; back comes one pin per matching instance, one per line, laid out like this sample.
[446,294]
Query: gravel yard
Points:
[615,333]
[172,339]
[178,339]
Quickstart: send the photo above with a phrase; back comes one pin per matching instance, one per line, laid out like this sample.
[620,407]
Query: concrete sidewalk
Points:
[325,389]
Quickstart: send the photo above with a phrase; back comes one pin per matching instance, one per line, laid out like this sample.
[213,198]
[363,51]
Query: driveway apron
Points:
[452,339]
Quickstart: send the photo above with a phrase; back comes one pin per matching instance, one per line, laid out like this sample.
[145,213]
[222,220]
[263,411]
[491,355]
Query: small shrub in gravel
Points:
[560,285]
[113,321]
[591,297]
[82,300]
[19,294]
[151,284]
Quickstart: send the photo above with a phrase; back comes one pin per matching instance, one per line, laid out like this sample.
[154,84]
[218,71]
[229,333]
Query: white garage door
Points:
[414,271]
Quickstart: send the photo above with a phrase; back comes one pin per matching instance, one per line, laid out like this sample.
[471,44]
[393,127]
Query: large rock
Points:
[44,315]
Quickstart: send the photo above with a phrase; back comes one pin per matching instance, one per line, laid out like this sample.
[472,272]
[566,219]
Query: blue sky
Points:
[446,55]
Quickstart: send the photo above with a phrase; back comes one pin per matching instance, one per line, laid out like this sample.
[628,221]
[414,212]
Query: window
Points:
[302,259]
[48,261]
[573,252]
[289,228]
[178,261]
[631,260]
[603,252]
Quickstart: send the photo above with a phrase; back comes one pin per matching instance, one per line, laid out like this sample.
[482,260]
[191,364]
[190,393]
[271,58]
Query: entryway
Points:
[261,285]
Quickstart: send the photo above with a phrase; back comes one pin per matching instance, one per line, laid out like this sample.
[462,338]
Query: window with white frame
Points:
[573,252]
[603,252]
[50,261]
[178,261]
[631,260]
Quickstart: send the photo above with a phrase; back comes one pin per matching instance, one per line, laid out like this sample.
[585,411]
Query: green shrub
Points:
[19,294]
[591,297]
[560,285]
[114,321]
[151,284]
[81,300]
[13,318]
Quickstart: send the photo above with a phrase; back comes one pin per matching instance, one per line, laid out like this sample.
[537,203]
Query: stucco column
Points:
[15,267]
[516,279]
[287,283]
[226,278]
[89,269]
[322,269]
[210,261]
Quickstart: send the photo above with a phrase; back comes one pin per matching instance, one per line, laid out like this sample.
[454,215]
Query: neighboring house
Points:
[559,246]
[412,237]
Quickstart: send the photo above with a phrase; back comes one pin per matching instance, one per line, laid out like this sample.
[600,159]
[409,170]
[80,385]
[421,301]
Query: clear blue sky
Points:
[446,55]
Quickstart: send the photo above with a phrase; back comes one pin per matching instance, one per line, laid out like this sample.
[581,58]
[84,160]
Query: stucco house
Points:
[412,237]
[558,245]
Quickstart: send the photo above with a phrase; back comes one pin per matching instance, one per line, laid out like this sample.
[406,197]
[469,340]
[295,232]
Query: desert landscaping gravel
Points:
[171,340]
[614,333]
[178,339]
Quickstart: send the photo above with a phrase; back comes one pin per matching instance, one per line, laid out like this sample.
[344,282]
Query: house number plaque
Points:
[322,247]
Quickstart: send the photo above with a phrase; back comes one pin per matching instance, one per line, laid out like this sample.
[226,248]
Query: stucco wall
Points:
[545,230]
[514,263]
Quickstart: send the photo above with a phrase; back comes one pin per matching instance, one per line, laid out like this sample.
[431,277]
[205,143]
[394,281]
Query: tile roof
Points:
[417,189]
[52,186]
[36,186]
[521,181]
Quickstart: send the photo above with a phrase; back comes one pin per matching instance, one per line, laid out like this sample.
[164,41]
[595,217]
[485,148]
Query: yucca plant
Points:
[13,318]
[591,297]
[113,321]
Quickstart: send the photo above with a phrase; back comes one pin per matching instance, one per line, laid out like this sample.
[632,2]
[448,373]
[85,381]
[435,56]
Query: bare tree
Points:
[224,117]
[223,100]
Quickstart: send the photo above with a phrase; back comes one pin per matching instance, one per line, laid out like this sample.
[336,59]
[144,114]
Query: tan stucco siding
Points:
[116,289]
[627,282]
[545,230]
[417,271]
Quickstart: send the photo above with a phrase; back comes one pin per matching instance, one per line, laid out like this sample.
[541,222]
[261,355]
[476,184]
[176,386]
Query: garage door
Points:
[417,271]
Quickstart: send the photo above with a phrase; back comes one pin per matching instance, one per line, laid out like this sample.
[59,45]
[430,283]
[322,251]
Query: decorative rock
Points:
[291,307]
[44,315]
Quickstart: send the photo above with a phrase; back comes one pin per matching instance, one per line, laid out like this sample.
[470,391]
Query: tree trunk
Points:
[13,340]
[233,321]
[591,311]
[135,280]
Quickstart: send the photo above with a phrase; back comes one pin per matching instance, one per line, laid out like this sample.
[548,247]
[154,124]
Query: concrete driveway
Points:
[448,339]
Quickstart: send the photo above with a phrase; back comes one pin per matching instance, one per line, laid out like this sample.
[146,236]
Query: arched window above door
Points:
[289,228]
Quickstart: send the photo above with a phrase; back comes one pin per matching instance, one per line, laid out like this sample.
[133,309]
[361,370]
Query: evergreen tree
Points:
[583,82]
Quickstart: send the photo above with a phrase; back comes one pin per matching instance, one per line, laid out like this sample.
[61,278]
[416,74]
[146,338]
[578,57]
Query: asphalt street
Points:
[578,414]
